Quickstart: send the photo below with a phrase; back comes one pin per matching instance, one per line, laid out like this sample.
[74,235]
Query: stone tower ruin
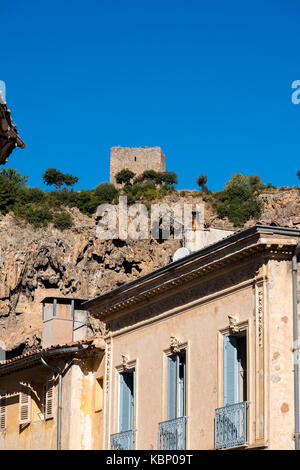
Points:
[136,159]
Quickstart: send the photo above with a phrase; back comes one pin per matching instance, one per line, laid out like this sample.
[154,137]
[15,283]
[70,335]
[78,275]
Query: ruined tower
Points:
[136,159]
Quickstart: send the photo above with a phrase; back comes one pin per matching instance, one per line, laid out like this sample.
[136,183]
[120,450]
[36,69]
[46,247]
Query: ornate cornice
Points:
[208,264]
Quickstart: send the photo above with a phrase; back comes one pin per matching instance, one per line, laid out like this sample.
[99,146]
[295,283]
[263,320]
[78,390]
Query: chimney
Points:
[64,321]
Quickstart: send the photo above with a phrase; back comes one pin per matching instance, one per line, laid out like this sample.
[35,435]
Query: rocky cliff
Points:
[47,262]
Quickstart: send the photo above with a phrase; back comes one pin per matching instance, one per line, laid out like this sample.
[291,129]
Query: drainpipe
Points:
[295,343]
[59,407]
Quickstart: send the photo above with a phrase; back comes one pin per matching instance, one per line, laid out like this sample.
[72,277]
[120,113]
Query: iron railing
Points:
[231,425]
[122,440]
[171,434]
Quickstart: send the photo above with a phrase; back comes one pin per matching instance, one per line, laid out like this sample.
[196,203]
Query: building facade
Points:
[199,354]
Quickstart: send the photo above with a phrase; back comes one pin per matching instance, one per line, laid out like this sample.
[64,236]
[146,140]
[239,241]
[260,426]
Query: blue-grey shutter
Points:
[184,388]
[133,401]
[126,402]
[173,365]
[230,370]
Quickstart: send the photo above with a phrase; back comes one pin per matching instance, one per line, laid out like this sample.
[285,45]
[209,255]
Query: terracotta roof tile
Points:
[50,348]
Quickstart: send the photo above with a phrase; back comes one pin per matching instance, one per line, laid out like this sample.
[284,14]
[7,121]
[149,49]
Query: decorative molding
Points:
[233,325]
[199,268]
[125,360]
[184,297]
[260,397]
[260,315]
[108,361]
[174,345]
[126,364]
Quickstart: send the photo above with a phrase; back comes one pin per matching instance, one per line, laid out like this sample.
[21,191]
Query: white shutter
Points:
[49,398]
[3,411]
[24,403]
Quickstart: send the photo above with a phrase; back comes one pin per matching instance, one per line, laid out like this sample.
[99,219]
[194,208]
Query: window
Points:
[176,390]
[99,394]
[194,221]
[235,369]
[126,411]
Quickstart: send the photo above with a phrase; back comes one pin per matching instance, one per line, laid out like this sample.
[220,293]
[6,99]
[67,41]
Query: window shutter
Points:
[173,366]
[182,385]
[3,411]
[126,401]
[230,370]
[24,403]
[49,398]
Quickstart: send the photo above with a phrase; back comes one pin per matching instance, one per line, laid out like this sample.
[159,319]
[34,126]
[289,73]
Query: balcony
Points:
[231,426]
[122,441]
[171,434]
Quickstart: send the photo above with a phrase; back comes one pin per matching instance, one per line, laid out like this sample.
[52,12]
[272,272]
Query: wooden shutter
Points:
[49,398]
[126,401]
[25,403]
[172,387]
[3,411]
[181,395]
[230,370]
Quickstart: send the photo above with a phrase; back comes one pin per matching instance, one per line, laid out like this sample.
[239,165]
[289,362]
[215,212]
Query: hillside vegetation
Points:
[238,202]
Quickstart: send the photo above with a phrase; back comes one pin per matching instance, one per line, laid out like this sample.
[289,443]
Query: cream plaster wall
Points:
[263,306]
[200,328]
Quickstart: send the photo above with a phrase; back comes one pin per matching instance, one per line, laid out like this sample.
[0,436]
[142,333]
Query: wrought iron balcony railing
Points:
[231,425]
[171,434]
[122,440]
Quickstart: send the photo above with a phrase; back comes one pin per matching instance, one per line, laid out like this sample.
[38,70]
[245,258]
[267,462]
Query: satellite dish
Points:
[181,253]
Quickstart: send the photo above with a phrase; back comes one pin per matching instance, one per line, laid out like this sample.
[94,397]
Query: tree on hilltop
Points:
[54,177]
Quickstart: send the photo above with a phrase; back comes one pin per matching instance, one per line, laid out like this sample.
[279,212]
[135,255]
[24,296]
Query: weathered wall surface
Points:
[199,326]
[262,307]
[81,422]
[281,376]
[38,434]
[136,159]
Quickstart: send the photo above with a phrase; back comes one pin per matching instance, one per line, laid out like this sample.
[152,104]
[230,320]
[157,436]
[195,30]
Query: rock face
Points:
[75,263]
[47,262]
[283,206]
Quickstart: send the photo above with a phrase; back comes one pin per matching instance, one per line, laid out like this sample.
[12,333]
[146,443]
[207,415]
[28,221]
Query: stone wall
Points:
[136,159]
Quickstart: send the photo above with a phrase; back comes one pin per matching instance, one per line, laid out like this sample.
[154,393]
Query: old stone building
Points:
[199,354]
[136,159]
[52,398]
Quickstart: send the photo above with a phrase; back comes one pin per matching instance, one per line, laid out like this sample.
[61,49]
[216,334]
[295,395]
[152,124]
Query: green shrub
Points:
[14,176]
[124,176]
[105,192]
[28,195]
[150,194]
[201,181]
[86,201]
[62,220]
[8,194]
[238,201]
[37,216]
[182,193]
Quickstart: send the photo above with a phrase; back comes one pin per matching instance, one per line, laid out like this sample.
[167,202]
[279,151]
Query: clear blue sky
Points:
[208,81]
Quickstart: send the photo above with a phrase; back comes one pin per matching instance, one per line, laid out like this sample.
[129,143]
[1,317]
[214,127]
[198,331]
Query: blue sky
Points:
[208,81]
